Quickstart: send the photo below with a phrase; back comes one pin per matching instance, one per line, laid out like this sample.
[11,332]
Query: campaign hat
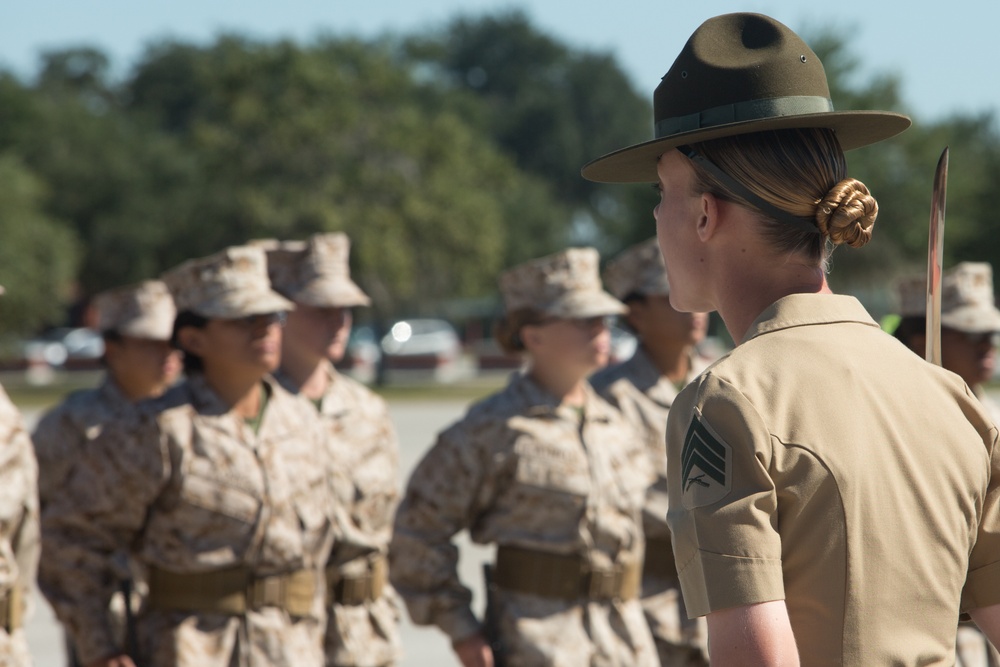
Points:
[737,74]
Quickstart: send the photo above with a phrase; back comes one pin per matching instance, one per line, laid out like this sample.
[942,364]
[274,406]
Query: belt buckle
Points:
[265,592]
[603,584]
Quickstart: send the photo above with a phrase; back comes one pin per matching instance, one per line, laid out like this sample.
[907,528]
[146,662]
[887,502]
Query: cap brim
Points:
[257,304]
[586,304]
[637,164]
[972,320]
[331,294]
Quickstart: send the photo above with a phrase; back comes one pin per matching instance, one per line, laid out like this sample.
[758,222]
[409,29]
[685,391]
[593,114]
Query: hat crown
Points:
[731,67]
[231,283]
[317,272]
[638,270]
[145,310]
[565,284]
[967,301]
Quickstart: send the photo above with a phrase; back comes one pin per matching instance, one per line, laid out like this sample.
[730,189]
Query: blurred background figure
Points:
[136,323]
[643,388]
[364,610]
[225,497]
[550,473]
[19,540]
[970,322]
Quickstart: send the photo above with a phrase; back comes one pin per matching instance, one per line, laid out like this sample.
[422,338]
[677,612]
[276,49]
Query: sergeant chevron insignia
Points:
[705,466]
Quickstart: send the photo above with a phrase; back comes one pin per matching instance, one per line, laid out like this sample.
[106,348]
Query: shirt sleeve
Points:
[57,442]
[99,513]
[982,586]
[723,504]
[19,545]
[440,500]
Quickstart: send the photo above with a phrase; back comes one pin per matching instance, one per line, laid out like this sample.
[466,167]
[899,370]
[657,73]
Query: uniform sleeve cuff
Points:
[711,582]
[982,587]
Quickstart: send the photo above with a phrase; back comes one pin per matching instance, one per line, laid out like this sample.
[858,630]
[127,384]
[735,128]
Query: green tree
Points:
[38,256]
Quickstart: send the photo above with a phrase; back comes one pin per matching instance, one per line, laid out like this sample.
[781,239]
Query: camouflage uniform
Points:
[644,397]
[202,500]
[364,610]
[63,431]
[534,476]
[19,543]
[967,305]
[364,444]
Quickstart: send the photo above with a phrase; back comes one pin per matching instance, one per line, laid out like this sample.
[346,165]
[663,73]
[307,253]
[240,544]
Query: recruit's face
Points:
[657,322]
[972,356]
[248,344]
[578,346]
[677,214]
[145,366]
[322,332]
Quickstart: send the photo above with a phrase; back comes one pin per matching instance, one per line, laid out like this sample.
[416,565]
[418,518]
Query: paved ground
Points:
[417,423]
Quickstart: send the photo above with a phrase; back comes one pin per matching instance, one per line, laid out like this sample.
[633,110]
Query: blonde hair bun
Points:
[847,213]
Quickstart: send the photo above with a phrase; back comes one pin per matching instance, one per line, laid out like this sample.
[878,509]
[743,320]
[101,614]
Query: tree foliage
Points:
[445,155]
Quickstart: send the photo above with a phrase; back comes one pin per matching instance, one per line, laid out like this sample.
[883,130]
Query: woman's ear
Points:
[531,336]
[708,220]
[192,340]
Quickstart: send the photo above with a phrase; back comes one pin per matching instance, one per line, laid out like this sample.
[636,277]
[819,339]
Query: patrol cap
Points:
[566,284]
[316,272]
[230,284]
[145,310]
[967,302]
[638,270]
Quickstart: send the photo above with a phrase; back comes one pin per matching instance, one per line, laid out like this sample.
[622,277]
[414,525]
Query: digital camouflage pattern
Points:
[520,470]
[566,284]
[638,270]
[644,397]
[191,488]
[19,538]
[231,283]
[145,310]
[316,272]
[59,437]
[62,432]
[364,444]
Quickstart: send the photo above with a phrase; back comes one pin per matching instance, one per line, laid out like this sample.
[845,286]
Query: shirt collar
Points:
[537,401]
[798,310]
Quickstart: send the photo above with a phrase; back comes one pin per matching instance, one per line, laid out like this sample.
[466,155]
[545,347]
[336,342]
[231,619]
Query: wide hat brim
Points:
[739,74]
[637,163]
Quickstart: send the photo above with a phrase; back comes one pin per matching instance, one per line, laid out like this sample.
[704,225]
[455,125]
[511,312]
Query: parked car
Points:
[425,345]
[65,347]
[363,354]
[623,345]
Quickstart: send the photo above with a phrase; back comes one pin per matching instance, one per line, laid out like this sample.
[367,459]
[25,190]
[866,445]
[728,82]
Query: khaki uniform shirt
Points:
[19,539]
[644,396]
[824,464]
[520,470]
[364,444]
[191,488]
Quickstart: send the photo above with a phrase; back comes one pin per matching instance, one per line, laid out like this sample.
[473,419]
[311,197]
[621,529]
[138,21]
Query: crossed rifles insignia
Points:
[705,462]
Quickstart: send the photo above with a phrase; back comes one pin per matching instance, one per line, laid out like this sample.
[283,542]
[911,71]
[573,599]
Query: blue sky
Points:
[945,51]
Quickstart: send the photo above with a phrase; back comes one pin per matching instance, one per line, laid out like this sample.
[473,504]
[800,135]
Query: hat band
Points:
[741,190]
[743,111]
